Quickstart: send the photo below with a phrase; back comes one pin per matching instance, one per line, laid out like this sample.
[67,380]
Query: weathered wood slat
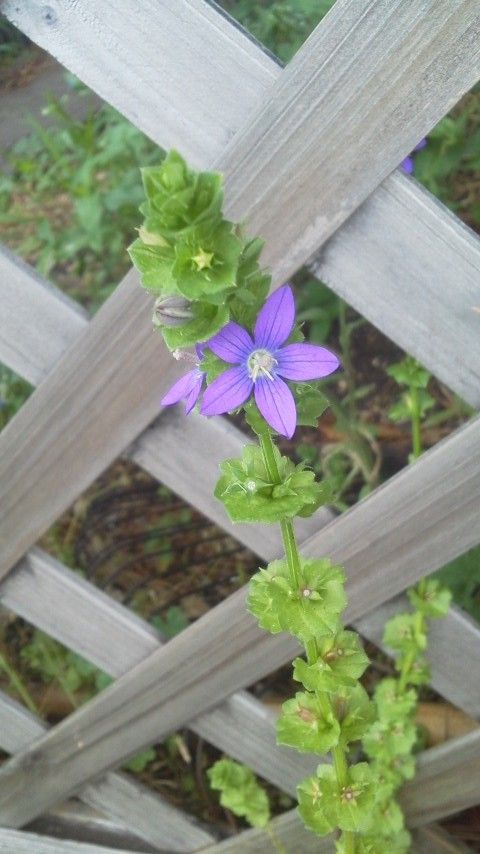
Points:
[447,781]
[102,43]
[91,623]
[77,821]
[456,638]
[118,795]
[401,265]
[412,268]
[386,542]
[439,789]
[120,376]
[22,842]
[159,452]
[38,323]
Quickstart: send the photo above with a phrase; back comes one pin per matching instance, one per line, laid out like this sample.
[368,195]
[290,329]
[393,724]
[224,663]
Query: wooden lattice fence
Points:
[308,153]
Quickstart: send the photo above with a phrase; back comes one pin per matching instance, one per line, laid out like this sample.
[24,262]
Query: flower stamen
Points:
[261,363]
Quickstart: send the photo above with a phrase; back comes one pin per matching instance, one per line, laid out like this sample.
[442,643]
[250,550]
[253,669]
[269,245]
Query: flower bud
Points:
[171,311]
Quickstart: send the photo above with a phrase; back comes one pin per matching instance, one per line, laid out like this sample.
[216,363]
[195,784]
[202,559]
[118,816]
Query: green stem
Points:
[56,667]
[295,567]
[276,841]
[344,339]
[410,657]
[17,684]
[416,423]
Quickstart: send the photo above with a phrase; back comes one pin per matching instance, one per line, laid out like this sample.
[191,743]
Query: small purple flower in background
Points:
[260,364]
[408,165]
[189,386]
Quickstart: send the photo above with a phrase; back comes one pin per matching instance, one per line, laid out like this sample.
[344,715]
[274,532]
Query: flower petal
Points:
[305,362]
[407,165]
[182,388]
[276,319]
[194,393]
[275,401]
[232,344]
[226,392]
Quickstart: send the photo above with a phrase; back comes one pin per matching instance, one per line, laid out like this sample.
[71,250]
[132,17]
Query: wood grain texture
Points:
[367,85]
[389,540]
[400,265]
[114,639]
[77,821]
[140,63]
[38,322]
[447,781]
[22,842]
[160,453]
[120,377]
[456,638]
[102,395]
[121,797]
[439,789]
[412,268]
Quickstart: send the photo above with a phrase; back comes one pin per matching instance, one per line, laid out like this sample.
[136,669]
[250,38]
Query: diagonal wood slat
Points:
[439,790]
[121,376]
[385,543]
[159,452]
[401,259]
[133,805]
[114,639]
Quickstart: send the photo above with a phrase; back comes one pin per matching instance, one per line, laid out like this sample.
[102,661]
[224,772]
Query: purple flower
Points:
[188,387]
[408,165]
[260,364]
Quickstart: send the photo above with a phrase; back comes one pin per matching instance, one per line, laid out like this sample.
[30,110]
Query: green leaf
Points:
[240,791]
[141,760]
[392,704]
[155,265]
[211,365]
[316,803]
[206,262]
[253,285]
[324,804]
[303,725]
[418,673]
[401,632]
[385,740]
[309,612]
[409,372]
[206,321]
[354,711]
[341,661]
[311,403]
[249,494]
[174,622]
[430,598]
[399,843]
[179,198]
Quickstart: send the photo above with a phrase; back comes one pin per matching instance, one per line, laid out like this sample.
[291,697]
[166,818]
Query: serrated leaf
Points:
[303,725]
[206,321]
[418,672]
[316,803]
[402,633]
[385,740]
[409,372]
[325,803]
[400,843]
[240,791]
[249,495]
[312,611]
[430,598]
[310,402]
[354,711]
[393,704]
[155,265]
[341,661]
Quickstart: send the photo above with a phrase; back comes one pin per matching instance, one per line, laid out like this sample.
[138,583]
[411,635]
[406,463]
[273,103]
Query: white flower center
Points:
[260,364]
